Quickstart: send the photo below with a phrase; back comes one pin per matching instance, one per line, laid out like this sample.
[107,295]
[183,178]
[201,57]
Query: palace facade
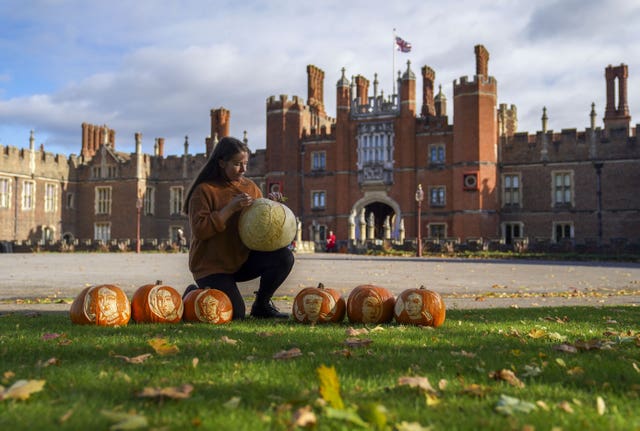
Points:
[384,168]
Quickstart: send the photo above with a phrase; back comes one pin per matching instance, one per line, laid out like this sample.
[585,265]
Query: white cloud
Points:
[159,70]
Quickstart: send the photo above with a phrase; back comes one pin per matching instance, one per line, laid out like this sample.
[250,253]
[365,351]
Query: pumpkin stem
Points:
[320,286]
[422,287]
[158,282]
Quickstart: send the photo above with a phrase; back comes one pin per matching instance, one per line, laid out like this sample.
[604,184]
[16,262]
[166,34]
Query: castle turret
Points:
[408,93]
[428,103]
[474,152]
[220,119]
[616,114]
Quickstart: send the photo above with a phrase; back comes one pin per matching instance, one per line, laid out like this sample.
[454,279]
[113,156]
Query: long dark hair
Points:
[224,150]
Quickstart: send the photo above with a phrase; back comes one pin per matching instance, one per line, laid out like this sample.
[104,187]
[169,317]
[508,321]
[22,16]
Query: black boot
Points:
[189,288]
[262,309]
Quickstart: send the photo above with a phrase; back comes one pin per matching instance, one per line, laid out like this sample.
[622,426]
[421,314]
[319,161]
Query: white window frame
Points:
[50,197]
[519,224]
[102,231]
[5,192]
[103,200]
[175,200]
[318,199]
[28,195]
[511,193]
[562,194]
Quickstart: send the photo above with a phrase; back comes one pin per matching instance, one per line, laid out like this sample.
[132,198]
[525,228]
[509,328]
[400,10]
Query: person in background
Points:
[217,257]
[331,242]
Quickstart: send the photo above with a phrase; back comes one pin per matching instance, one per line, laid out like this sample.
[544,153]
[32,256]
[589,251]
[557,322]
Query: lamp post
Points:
[419,199]
[138,208]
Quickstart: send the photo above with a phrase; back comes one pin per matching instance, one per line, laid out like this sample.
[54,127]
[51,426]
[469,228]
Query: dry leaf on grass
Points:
[288,354]
[125,421]
[357,342]
[566,348]
[304,417]
[507,376]
[163,347]
[352,332]
[134,360]
[475,390]
[22,389]
[330,386]
[226,340]
[566,406]
[174,392]
[419,382]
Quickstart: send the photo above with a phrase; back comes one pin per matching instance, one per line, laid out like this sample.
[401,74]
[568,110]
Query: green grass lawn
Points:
[499,369]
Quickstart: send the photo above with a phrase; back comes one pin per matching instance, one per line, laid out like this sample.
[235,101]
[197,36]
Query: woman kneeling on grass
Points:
[217,258]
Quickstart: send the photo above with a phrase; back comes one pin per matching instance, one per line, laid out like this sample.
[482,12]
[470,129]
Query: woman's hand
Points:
[277,196]
[240,201]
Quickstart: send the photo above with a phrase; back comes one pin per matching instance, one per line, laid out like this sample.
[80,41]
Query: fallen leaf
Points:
[163,347]
[542,405]
[125,421]
[232,403]
[464,353]
[600,406]
[442,384]
[22,389]
[226,340]
[51,336]
[136,359]
[288,354]
[419,382]
[411,426]
[531,371]
[174,392]
[344,352]
[507,376]
[566,406]
[49,362]
[566,348]
[475,390]
[304,417]
[330,386]
[194,362]
[352,332]
[357,342]
[537,333]
[509,405]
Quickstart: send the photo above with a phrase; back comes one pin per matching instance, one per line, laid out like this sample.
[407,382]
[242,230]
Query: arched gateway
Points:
[369,215]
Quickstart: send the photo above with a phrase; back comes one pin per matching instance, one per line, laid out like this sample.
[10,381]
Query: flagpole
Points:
[393,71]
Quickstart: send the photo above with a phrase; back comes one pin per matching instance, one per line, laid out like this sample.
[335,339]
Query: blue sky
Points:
[158,66]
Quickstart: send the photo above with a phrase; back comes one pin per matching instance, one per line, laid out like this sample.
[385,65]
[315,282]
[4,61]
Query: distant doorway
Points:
[380,212]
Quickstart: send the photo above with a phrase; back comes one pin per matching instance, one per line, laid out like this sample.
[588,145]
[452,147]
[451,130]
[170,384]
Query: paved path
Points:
[463,283]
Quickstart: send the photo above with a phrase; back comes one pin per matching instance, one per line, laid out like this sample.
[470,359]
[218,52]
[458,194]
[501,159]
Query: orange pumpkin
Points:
[103,305]
[370,304]
[156,303]
[422,307]
[208,306]
[318,305]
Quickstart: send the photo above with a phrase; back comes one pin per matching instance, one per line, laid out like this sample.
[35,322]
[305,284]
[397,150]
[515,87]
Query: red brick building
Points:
[357,173]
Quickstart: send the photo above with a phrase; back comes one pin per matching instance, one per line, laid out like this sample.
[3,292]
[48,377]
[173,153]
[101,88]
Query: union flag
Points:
[402,45]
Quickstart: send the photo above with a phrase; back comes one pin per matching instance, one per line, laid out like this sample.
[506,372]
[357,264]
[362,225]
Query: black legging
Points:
[272,267]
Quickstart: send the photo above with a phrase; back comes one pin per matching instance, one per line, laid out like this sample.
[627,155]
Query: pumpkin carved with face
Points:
[156,303]
[103,305]
[370,304]
[267,225]
[421,307]
[208,306]
[318,305]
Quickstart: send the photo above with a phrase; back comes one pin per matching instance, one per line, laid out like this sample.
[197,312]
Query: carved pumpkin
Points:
[422,307]
[318,305]
[156,303]
[267,225]
[370,304]
[103,305]
[208,306]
